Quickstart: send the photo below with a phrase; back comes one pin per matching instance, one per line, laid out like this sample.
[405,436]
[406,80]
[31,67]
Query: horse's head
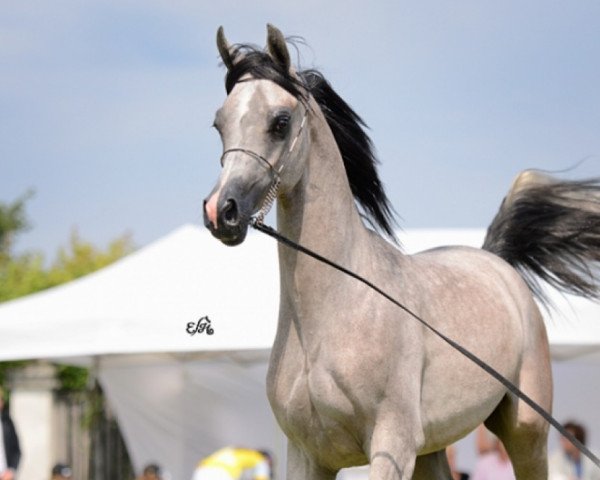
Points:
[261,125]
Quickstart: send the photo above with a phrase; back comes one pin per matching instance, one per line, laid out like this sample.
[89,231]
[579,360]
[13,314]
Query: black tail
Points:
[549,229]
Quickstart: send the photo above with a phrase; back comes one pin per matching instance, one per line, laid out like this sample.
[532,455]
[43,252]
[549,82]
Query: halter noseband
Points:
[275,172]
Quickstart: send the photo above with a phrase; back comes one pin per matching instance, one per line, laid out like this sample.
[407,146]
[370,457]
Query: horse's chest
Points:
[314,409]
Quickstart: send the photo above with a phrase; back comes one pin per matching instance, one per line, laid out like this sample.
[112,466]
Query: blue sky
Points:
[106,106]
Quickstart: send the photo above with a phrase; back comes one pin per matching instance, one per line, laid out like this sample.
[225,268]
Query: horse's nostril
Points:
[230,212]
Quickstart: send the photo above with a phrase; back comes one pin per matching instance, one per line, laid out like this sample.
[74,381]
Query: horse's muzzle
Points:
[225,220]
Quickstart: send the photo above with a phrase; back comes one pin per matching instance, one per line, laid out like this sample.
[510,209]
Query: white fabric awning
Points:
[144,303]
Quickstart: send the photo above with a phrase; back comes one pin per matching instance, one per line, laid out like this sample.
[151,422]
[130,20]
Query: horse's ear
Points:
[277,47]
[225,50]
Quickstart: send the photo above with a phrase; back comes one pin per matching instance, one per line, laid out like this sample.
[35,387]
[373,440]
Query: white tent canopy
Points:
[144,302]
[179,396]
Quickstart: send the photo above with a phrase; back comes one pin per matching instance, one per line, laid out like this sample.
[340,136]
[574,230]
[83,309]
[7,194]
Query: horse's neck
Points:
[320,214]
[320,211]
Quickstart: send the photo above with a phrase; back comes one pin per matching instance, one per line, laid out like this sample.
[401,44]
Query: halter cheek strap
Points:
[274,169]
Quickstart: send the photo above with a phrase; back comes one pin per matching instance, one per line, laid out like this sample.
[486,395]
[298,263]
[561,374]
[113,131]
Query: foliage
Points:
[21,275]
[71,378]
[26,273]
[13,220]
[6,367]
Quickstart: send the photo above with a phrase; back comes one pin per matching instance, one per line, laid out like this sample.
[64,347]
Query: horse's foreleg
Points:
[392,454]
[433,466]
[387,466]
[302,467]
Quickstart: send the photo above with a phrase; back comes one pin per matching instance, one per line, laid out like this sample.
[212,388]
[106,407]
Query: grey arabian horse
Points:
[352,378]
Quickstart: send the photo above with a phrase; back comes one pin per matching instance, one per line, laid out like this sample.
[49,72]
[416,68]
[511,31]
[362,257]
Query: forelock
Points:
[259,64]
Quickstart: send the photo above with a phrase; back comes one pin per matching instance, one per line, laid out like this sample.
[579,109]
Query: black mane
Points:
[348,129]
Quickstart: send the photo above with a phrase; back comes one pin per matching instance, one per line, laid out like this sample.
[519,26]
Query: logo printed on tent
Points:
[201,326]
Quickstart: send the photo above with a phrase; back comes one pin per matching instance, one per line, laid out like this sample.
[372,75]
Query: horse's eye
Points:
[280,125]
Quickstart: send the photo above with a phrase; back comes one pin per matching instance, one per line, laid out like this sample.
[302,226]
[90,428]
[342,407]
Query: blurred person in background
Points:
[568,463]
[451,455]
[151,472]
[493,462]
[61,471]
[10,451]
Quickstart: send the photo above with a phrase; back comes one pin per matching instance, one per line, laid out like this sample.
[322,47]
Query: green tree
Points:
[13,220]
[24,274]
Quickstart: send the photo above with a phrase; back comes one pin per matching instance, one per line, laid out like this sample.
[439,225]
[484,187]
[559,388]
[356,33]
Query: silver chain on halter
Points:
[269,199]
[267,202]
